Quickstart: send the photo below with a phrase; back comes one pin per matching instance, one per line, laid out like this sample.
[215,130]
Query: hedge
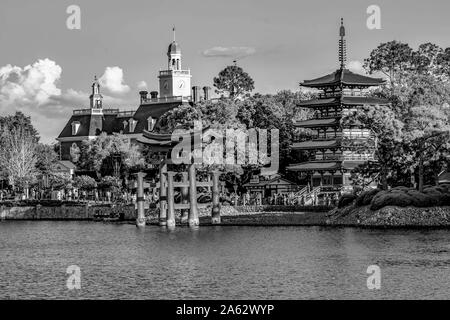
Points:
[400,196]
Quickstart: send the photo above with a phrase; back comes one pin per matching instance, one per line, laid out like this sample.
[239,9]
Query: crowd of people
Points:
[280,199]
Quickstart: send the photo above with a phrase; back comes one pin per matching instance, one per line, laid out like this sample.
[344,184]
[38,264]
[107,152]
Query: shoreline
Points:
[348,217]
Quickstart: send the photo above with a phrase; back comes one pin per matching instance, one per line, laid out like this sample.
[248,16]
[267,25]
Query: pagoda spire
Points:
[342,45]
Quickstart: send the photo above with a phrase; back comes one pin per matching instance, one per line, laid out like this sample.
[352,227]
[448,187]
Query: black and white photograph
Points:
[224,156]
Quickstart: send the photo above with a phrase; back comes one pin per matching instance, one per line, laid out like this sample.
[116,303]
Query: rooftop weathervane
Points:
[342,45]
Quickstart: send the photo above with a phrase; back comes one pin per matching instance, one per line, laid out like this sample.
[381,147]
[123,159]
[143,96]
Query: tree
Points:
[18,156]
[85,183]
[110,155]
[427,130]
[266,112]
[233,81]
[426,60]
[182,116]
[392,59]
[386,131]
[46,158]
[60,180]
[19,121]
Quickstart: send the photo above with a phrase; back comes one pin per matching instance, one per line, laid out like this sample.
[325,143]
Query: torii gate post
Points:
[162,194]
[170,201]
[140,221]
[184,199]
[193,212]
[215,214]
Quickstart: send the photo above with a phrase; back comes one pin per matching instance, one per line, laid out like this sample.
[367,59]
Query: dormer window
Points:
[132,125]
[151,123]
[75,127]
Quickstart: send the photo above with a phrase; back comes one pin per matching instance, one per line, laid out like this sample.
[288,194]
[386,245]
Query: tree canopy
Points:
[234,82]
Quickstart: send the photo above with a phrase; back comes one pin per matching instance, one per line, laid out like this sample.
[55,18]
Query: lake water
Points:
[122,262]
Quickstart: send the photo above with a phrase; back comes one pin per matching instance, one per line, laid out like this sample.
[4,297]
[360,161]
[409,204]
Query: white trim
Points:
[79,138]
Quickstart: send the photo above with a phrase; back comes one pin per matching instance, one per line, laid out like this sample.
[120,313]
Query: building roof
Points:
[343,100]
[112,121]
[324,165]
[343,77]
[174,47]
[145,111]
[274,181]
[313,123]
[164,141]
[316,144]
[67,164]
[315,165]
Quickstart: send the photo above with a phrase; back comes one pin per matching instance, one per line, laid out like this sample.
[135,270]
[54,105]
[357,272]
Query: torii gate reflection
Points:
[189,206]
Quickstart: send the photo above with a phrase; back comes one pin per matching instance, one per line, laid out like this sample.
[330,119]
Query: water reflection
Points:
[124,262]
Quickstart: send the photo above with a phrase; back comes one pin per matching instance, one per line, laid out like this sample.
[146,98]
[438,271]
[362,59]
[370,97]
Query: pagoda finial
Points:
[342,45]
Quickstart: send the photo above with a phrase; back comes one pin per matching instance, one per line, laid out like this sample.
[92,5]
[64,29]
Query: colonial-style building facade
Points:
[332,153]
[174,90]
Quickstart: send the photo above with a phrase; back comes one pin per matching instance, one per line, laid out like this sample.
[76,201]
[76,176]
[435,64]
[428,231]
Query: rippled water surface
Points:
[122,262]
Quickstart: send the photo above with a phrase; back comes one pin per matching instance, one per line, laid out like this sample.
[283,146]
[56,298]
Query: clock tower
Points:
[174,82]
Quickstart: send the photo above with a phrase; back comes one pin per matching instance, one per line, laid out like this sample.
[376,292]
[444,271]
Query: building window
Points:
[132,125]
[151,123]
[75,127]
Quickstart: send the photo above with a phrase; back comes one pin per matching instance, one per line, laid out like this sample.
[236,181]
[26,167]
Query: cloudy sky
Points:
[46,69]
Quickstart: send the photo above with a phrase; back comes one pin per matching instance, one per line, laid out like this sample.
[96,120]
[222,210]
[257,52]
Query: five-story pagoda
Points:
[332,147]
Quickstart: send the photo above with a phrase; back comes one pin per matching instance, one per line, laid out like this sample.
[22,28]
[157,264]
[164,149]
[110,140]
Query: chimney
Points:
[143,95]
[154,94]
[196,94]
[206,92]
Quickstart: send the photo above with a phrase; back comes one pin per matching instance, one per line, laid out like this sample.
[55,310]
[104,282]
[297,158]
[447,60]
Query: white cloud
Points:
[142,85]
[113,81]
[34,90]
[229,52]
[35,82]
[356,67]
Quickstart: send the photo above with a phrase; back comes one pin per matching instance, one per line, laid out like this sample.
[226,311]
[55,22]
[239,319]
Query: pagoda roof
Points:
[273,181]
[343,100]
[316,144]
[315,166]
[343,77]
[324,165]
[313,123]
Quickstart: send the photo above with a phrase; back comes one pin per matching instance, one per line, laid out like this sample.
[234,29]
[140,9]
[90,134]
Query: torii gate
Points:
[189,184]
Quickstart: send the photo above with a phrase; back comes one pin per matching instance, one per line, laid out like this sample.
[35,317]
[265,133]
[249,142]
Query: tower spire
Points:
[174,33]
[342,45]
[96,98]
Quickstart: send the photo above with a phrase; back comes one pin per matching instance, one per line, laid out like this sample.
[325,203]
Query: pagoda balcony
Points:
[345,92]
[344,158]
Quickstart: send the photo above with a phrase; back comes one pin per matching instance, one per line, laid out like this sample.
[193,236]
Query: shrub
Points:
[422,200]
[384,199]
[365,198]
[346,200]
[400,188]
